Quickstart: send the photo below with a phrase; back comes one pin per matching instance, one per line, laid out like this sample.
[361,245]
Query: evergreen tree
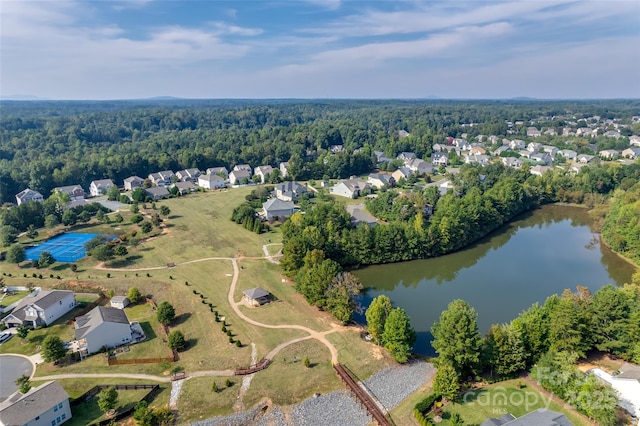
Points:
[376,316]
[398,336]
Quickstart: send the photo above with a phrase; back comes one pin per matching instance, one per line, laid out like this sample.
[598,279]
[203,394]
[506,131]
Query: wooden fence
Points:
[115,361]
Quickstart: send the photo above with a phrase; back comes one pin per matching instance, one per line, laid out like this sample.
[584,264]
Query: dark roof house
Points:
[256,296]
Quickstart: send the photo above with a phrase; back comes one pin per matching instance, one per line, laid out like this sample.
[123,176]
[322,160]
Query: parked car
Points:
[4,337]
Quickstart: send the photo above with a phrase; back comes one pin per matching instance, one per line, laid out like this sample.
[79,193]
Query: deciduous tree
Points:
[376,316]
[52,348]
[166,313]
[398,336]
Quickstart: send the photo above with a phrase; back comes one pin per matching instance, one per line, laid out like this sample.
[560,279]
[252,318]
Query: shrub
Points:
[238,344]
[306,362]
[229,333]
[427,402]
[195,292]
[214,387]
[228,383]
[224,329]
[231,340]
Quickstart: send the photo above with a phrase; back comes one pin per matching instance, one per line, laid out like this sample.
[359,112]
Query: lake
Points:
[543,252]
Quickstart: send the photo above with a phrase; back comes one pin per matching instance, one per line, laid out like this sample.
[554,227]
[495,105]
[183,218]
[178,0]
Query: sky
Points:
[131,49]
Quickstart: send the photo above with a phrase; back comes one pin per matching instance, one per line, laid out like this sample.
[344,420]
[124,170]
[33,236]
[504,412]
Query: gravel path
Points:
[393,384]
[390,386]
[176,387]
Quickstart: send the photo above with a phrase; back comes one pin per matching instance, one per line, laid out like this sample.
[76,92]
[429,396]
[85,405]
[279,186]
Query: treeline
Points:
[49,144]
[621,229]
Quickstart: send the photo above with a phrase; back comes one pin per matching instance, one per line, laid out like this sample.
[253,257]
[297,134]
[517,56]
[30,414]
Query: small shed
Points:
[256,296]
[119,302]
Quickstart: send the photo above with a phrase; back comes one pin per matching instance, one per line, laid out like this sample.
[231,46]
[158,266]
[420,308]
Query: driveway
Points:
[12,367]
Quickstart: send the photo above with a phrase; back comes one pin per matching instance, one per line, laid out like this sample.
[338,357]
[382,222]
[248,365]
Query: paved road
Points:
[12,367]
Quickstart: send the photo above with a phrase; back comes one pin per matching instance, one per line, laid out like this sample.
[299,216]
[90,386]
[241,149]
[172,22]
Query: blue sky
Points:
[66,49]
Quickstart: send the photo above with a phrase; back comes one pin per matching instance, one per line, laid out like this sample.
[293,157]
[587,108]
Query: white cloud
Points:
[327,4]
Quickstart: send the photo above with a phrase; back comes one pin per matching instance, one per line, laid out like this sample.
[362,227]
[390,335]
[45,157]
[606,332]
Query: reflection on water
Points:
[542,253]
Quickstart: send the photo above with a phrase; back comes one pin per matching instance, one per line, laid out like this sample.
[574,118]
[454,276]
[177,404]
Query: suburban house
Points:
[550,149]
[477,150]
[263,172]
[100,187]
[44,405]
[401,173]
[220,171]
[532,132]
[378,180]
[406,156]
[539,170]
[289,191]
[481,159]
[634,140]
[499,150]
[440,158]
[569,154]
[43,308]
[133,182]
[627,386]
[184,187]
[245,167]
[27,195]
[445,186]
[612,134]
[164,178]
[101,327]
[420,166]
[517,144]
[350,188]
[119,302]
[539,417]
[381,157]
[436,147]
[336,149]
[360,216]
[512,162]
[534,147]
[632,153]
[402,134]
[609,154]
[256,296]
[188,175]
[550,132]
[284,169]
[75,191]
[277,208]
[236,177]
[575,167]
[585,158]
[157,192]
[211,181]
[542,157]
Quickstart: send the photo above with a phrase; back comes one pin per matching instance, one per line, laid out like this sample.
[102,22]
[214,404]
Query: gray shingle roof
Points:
[255,293]
[20,409]
[277,204]
[97,316]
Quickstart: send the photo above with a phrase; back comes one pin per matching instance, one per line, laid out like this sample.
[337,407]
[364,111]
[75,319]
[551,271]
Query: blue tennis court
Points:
[64,248]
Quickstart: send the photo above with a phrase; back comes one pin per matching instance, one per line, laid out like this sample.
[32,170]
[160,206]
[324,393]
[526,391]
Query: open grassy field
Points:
[198,401]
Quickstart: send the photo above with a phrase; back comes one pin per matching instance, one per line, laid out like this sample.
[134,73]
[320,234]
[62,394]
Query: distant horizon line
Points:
[28,98]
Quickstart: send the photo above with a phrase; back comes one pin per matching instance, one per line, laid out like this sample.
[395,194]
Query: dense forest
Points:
[49,144]
[621,229]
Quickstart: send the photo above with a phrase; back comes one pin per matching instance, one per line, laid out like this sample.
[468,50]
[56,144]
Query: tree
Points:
[69,218]
[15,254]
[398,336]
[136,218]
[113,193]
[51,220]
[456,338]
[446,383]
[166,313]
[340,295]
[165,210]
[134,294]
[46,259]
[376,316]
[52,348]
[146,227]
[8,235]
[176,340]
[108,399]
[118,218]
[103,252]
[22,331]
[120,251]
[32,232]
[505,349]
[23,384]
[143,414]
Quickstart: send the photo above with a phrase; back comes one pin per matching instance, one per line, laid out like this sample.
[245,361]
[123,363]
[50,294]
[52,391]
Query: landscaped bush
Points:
[427,402]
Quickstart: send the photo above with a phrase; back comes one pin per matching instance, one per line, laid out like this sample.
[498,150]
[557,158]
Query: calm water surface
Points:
[542,253]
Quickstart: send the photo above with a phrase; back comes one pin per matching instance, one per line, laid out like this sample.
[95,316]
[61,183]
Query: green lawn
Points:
[198,401]
[8,300]
[505,397]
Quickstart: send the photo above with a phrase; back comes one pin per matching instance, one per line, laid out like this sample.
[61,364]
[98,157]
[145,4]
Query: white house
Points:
[27,195]
[609,154]
[539,170]
[44,405]
[237,176]
[275,207]
[163,178]
[420,166]
[517,144]
[211,181]
[133,182]
[42,308]
[533,132]
[378,180]
[585,158]
[440,158]
[220,171]
[569,154]
[632,153]
[627,386]
[101,327]
[75,191]
[284,169]
[100,187]
[350,188]
[634,140]
[239,167]
[263,172]
[550,149]
[406,157]
[289,191]
[512,162]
